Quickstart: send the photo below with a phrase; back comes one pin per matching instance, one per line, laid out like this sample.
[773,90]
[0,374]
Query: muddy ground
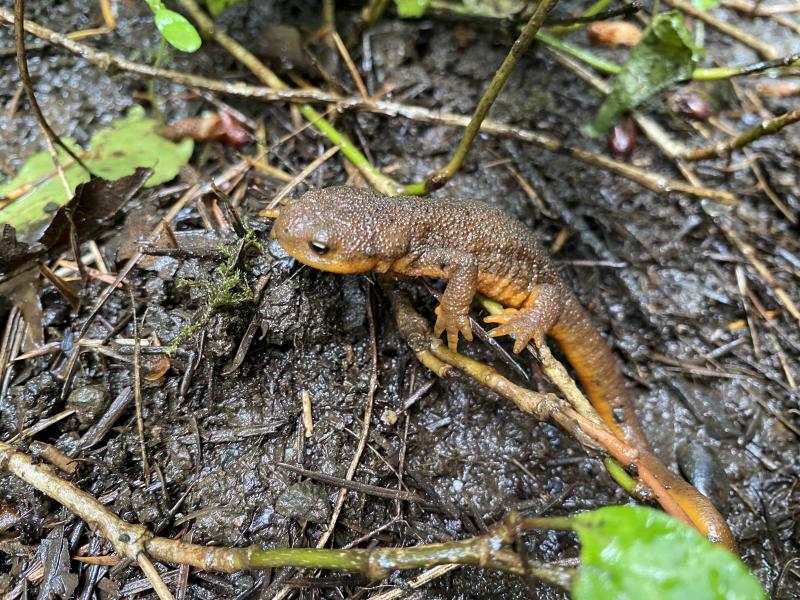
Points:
[665,305]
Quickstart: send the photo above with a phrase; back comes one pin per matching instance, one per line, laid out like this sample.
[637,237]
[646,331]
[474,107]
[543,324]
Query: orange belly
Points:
[504,290]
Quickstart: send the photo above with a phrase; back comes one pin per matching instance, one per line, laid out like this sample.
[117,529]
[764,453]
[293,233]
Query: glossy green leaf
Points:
[633,552]
[130,142]
[177,30]
[664,55]
[411,9]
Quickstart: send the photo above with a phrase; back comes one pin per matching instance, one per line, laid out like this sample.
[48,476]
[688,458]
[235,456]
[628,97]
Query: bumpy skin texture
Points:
[476,248]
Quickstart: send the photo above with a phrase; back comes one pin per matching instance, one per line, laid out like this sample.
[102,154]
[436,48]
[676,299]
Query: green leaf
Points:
[177,30]
[411,9]
[664,55]
[215,7]
[130,142]
[706,4]
[633,552]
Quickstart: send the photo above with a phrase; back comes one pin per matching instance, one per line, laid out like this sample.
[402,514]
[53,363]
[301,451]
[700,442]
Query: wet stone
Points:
[701,466]
[89,402]
[305,501]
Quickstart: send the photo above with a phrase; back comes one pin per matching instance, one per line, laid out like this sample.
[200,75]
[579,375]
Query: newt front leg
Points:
[461,271]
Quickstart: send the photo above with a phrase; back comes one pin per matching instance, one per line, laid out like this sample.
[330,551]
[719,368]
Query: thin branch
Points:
[652,181]
[677,497]
[154,577]
[760,46]
[370,172]
[626,10]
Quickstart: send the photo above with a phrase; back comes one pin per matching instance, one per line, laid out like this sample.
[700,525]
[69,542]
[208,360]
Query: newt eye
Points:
[318,247]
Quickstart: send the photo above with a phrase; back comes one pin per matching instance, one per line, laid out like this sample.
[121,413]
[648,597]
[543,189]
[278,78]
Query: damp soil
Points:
[215,432]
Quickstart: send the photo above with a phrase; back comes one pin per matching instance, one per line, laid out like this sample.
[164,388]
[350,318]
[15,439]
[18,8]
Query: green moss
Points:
[226,288]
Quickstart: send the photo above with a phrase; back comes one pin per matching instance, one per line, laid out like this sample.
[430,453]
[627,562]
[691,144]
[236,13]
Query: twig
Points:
[302,175]
[758,10]
[421,580]
[348,60]
[128,540]
[675,495]
[651,181]
[137,390]
[372,490]
[764,128]
[194,192]
[714,73]
[441,176]
[626,10]
[773,12]
[153,576]
[750,254]
[131,541]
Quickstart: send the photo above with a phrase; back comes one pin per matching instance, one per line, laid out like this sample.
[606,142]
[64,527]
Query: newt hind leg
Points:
[533,320]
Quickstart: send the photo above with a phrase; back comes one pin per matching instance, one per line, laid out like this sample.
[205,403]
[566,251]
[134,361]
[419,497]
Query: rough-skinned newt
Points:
[476,248]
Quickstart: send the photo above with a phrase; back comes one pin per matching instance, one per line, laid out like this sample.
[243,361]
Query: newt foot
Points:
[453,323]
[532,322]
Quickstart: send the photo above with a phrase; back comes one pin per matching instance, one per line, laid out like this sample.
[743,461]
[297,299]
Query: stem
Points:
[701,74]
[594,9]
[620,475]
[714,73]
[151,84]
[591,59]
[438,178]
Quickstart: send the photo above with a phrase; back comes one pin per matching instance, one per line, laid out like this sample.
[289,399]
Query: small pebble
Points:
[89,402]
[305,501]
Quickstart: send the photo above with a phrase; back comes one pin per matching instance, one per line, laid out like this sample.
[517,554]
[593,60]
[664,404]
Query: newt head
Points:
[325,231]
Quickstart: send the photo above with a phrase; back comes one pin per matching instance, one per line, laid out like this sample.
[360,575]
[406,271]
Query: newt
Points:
[476,248]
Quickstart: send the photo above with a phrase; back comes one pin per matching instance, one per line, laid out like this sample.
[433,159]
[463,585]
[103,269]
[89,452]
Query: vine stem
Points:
[767,127]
